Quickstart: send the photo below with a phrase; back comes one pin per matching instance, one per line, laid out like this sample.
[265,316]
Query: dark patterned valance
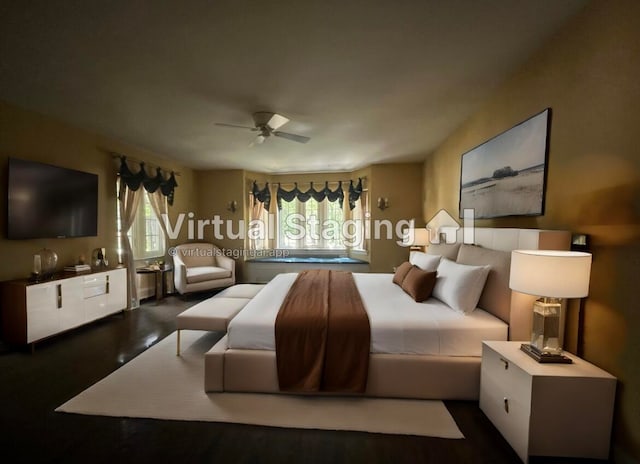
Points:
[263,196]
[150,183]
[318,195]
[354,193]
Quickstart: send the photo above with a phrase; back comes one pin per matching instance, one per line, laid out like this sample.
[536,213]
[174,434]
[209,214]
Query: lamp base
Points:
[542,357]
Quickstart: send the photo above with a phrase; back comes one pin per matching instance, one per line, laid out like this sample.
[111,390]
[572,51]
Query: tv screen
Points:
[47,201]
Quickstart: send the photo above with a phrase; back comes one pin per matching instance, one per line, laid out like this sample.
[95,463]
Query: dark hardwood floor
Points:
[33,385]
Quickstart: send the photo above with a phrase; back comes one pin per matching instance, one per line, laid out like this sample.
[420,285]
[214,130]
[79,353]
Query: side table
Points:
[547,409]
[159,272]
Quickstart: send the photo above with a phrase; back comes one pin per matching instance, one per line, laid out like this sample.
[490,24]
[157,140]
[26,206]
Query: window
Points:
[311,225]
[147,239]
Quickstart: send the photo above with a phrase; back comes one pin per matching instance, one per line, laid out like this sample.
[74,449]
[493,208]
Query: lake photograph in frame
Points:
[505,176]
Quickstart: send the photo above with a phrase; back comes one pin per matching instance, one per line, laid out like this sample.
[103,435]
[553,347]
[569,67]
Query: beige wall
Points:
[215,189]
[28,135]
[402,185]
[589,75]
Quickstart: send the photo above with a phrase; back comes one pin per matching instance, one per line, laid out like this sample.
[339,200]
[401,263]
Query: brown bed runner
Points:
[322,335]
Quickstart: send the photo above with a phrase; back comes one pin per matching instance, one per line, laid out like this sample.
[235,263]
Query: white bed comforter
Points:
[399,325]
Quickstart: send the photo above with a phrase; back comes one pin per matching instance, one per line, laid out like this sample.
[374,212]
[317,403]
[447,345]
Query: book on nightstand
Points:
[77,268]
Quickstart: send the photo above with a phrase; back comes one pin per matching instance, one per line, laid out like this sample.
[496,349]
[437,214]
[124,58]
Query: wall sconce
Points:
[232,206]
[383,203]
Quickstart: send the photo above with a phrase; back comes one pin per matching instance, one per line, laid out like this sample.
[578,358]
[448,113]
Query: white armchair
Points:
[201,266]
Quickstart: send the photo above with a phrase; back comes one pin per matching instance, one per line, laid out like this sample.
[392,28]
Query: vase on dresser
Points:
[44,264]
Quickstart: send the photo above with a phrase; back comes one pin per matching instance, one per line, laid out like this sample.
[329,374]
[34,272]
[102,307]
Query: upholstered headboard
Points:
[519,239]
[512,307]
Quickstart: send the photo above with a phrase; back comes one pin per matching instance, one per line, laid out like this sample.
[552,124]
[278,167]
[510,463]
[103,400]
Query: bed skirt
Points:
[390,375]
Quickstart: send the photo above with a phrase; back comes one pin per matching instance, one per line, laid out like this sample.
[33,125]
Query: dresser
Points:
[32,311]
[562,410]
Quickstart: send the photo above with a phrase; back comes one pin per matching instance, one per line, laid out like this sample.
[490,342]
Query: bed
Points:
[418,350]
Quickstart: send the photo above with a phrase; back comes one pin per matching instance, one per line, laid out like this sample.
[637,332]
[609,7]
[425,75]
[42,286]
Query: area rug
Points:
[158,384]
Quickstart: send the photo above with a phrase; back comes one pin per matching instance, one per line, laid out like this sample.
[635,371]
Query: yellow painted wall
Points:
[401,184]
[28,135]
[215,189]
[589,75]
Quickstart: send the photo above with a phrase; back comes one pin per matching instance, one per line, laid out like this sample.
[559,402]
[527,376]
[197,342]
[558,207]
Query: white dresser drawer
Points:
[94,285]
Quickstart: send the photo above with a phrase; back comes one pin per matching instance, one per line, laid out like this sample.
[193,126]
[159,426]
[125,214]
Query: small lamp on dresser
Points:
[552,276]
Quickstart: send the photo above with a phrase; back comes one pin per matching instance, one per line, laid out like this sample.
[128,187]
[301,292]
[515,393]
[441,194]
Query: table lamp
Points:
[417,239]
[552,276]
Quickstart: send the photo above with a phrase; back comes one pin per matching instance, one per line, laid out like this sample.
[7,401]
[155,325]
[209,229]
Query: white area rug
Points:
[160,385]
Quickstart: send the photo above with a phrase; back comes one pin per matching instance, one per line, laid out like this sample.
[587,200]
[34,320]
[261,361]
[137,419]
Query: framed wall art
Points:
[506,175]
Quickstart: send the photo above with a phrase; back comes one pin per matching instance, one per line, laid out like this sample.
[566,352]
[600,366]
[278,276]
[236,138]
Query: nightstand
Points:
[547,409]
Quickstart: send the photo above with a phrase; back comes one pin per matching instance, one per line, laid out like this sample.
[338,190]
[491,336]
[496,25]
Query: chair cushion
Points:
[197,254]
[205,273]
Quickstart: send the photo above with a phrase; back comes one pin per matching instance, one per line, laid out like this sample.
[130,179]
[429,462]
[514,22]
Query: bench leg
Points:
[178,344]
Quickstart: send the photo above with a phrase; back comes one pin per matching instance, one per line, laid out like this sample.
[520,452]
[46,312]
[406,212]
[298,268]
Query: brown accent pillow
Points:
[419,284]
[401,273]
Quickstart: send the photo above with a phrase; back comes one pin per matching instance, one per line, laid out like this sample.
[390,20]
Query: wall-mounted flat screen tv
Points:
[46,201]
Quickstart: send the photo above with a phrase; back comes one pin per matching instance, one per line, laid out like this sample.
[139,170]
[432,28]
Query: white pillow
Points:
[460,285]
[424,261]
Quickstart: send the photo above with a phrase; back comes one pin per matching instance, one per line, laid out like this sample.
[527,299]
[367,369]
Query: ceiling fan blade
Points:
[277,121]
[235,125]
[294,137]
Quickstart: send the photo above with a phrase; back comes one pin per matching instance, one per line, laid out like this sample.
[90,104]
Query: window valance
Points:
[355,193]
[264,195]
[304,196]
[150,183]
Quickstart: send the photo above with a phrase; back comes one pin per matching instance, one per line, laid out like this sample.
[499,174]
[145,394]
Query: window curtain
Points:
[355,192]
[263,196]
[364,205]
[128,202]
[256,209]
[150,183]
[159,204]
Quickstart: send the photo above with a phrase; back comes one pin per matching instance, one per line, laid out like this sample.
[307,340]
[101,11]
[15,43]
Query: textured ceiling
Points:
[369,81]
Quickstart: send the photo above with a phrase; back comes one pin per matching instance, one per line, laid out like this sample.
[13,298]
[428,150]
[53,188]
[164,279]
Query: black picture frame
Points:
[507,174]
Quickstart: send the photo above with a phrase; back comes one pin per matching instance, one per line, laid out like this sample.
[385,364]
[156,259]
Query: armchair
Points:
[201,266]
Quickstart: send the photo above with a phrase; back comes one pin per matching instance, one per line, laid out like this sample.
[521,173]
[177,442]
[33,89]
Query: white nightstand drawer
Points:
[505,397]
[504,372]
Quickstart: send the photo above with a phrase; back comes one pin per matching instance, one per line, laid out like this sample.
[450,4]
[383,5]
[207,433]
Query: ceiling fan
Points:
[267,124]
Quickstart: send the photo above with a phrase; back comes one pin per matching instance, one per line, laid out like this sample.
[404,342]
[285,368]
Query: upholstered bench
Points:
[215,313]
[241,291]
